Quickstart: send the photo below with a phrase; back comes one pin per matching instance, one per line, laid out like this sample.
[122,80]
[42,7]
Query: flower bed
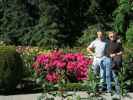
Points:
[56,68]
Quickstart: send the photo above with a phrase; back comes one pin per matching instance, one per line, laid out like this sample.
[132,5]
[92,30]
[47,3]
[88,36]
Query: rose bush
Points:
[57,65]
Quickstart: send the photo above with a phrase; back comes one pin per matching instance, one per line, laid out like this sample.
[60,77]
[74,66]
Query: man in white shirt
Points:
[99,49]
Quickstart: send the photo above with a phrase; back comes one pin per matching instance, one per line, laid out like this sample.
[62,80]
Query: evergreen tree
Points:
[61,22]
[122,17]
[51,23]
[14,21]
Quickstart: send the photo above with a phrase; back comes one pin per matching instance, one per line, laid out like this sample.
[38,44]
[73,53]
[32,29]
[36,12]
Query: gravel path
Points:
[82,94]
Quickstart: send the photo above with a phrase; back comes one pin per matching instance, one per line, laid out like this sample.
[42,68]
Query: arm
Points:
[118,53]
[90,50]
[121,50]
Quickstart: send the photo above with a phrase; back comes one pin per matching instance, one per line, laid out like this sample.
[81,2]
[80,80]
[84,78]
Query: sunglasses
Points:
[111,36]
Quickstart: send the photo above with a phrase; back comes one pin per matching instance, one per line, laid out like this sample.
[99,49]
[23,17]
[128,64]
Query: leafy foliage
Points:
[129,34]
[14,21]
[88,35]
[122,17]
[51,23]
[11,68]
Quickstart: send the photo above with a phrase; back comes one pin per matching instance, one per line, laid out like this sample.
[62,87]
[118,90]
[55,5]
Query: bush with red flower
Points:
[57,65]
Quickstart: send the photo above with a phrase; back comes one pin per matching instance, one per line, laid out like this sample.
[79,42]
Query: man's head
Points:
[100,35]
[112,35]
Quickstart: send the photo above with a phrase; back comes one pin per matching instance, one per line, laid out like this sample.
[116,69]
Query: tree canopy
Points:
[59,23]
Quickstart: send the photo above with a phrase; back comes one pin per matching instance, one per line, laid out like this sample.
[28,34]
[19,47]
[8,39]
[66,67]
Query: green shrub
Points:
[2,43]
[88,36]
[28,54]
[126,80]
[11,67]
[128,60]
[129,34]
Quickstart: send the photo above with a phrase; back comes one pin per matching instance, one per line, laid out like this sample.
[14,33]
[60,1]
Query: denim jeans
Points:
[106,72]
[103,65]
[115,78]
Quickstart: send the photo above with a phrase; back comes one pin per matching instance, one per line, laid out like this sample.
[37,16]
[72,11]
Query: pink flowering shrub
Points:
[57,64]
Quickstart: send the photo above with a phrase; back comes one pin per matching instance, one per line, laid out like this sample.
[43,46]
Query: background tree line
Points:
[61,23]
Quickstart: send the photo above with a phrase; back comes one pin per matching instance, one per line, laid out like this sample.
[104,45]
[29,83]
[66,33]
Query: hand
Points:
[112,55]
[93,54]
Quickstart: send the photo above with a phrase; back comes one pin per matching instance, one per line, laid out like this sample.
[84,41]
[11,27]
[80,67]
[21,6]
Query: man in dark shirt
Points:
[115,51]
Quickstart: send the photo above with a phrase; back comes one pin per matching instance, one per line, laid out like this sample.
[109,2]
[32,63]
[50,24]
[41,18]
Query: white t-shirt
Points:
[100,47]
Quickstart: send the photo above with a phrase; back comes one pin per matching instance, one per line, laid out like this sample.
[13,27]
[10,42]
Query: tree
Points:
[51,23]
[122,17]
[14,21]
[61,22]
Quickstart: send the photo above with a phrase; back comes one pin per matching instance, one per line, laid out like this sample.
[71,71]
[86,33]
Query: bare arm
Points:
[119,53]
[116,54]
[90,50]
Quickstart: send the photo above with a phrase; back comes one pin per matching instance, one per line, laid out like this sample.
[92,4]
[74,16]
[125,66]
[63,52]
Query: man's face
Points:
[100,35]
[112,36]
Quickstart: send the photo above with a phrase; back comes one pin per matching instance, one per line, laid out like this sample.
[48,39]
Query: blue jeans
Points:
[103,65]
[105,68]
[115,78]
